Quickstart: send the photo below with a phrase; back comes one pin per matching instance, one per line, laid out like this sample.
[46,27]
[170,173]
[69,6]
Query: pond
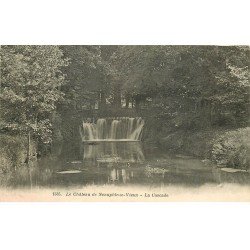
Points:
[119,163]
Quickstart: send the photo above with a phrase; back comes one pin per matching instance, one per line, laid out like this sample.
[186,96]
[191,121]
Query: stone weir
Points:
[112,129]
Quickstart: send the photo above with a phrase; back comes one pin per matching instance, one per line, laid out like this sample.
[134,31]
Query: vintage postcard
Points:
[124,123]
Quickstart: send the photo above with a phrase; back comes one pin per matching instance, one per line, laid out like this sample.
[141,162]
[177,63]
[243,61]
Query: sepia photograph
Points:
[124,123]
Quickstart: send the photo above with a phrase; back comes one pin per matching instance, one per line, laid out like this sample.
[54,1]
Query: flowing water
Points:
[111,153]
[112,129]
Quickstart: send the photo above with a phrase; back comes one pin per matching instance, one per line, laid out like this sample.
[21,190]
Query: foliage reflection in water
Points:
[119,163]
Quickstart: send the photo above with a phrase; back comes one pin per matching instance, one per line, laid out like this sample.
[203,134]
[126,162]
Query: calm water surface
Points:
[119,163]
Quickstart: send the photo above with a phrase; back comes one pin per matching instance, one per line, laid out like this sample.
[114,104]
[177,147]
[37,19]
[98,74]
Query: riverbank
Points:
[223,147]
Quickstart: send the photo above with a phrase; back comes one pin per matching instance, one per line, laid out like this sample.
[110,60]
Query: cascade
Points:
[112,129]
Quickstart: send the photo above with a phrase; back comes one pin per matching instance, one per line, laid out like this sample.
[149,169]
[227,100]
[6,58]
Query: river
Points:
[120,164]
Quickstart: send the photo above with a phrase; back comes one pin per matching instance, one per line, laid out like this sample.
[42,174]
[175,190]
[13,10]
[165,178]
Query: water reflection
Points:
[111,153]
[120,163]
[117,175]
[115,159]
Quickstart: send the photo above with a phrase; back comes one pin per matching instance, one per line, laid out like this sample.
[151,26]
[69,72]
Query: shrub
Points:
[233,149]
[13,151]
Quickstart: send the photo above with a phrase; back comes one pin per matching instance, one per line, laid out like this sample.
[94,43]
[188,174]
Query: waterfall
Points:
[89,131]
[136,134]
[130,126]
[100,128]
[112,129]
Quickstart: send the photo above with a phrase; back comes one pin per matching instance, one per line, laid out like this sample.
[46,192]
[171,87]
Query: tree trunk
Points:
[127,98]
[117,96]
[28,149]
[102,100]
[137,102]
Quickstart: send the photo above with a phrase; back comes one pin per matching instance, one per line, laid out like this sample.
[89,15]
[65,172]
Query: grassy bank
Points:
[227,148]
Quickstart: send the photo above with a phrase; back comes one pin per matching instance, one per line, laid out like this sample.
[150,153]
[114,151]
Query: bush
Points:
[5,162]
[233,149]
[13,151]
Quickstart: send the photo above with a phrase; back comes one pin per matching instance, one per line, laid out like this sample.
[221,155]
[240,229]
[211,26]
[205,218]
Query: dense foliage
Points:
[194,85]
[88,76]
[31,81]
[233,149]
[180,89]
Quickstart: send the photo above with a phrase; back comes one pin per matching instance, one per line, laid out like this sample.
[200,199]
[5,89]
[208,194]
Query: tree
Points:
[140,70]
[88,76]
[31,81]
[194,85]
